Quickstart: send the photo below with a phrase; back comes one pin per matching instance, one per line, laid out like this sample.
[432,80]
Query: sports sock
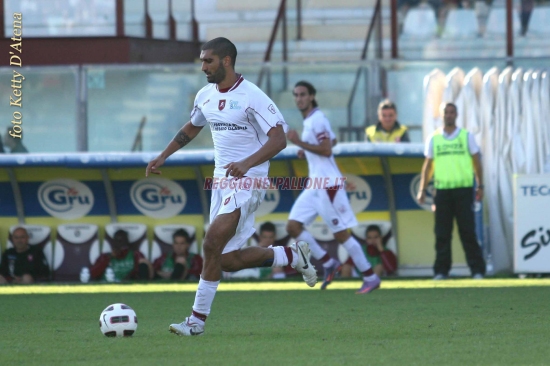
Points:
[292,259]
[203,300]
[316,251]
[357,255]
[369,277]
[327,261]
[280,258]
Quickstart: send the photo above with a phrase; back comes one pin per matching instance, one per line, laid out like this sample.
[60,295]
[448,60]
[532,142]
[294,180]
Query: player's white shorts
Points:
[227,200]
[332,205]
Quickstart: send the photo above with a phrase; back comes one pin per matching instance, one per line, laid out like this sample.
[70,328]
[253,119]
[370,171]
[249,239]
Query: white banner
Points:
[532,223]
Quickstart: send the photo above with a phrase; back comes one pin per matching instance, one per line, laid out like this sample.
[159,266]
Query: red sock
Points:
[199,316]
[288,253]
[325,258]
[368,272]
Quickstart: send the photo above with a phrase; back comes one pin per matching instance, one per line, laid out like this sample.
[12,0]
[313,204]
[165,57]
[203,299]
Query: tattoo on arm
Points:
[182,138]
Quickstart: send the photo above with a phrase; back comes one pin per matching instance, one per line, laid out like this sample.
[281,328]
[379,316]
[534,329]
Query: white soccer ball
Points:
[118,320]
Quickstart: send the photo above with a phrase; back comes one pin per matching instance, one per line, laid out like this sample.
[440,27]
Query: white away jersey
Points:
[316,129]
[239,119]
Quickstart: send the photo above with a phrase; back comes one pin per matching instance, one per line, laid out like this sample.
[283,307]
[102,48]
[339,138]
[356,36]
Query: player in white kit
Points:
[247,130]
[330,201]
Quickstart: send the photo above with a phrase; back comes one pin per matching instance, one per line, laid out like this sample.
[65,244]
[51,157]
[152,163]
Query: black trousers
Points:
[449,204]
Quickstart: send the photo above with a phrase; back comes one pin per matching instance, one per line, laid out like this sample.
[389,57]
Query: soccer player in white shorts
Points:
[329,201]
[247,130]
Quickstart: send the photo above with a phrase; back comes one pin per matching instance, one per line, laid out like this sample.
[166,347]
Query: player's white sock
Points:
[356,253]
[279,276]
[370,278]
[316,251]
[331,262]
[203,300]
[280,258]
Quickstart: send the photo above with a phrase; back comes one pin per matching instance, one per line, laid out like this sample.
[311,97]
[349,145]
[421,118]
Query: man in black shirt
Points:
[23,263]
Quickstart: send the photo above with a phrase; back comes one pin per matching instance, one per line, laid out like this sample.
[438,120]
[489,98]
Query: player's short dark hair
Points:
[267,226]
[310,89]
[121,233]
[449,104]
[182,233]
[222,47]
[387,104]
[374,228]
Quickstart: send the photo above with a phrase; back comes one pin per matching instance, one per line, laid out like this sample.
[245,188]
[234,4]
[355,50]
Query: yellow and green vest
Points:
[376,134]
[453,166]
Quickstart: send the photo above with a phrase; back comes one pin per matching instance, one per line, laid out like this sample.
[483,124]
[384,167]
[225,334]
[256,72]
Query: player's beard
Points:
[218,76]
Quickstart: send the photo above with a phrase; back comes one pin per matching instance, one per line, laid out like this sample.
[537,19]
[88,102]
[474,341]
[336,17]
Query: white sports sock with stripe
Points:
[357,255]
[204,298]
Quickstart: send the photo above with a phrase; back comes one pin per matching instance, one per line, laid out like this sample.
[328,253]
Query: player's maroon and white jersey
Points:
[316,129]
[239,119]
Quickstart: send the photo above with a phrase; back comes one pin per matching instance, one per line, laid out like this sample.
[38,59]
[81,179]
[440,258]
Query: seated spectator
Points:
[383,260]
[23,263]
[180,264]
[387,129]
[14,143]
[266,238]
[126,264]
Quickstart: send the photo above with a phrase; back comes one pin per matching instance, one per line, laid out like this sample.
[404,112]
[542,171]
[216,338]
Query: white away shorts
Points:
[227,200]
[331,204]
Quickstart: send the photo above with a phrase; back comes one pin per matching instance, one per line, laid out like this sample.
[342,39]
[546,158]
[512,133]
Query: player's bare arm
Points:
[323,149]
[274,145]
[479,176]
[425,177]
[187,133]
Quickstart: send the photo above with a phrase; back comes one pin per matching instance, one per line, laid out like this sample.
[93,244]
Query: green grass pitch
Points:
[406,322]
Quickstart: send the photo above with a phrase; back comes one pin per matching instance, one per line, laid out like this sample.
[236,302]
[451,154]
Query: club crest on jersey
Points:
[221,104]
[334,221]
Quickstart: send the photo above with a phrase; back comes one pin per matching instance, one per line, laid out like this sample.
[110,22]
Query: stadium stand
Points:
[76,246]
[539,23]
[461,23]
[496,21]
[162,239]
[137,235]
[281,236]
[38,235]
[420,23]
[359,232]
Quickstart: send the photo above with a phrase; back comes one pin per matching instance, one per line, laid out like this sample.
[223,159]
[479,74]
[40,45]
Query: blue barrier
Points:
[192,156]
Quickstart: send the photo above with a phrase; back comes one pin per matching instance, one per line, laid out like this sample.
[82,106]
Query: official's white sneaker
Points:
[187,328]
[304,266]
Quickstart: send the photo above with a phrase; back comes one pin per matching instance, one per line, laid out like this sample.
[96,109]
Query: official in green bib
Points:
[452,158]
